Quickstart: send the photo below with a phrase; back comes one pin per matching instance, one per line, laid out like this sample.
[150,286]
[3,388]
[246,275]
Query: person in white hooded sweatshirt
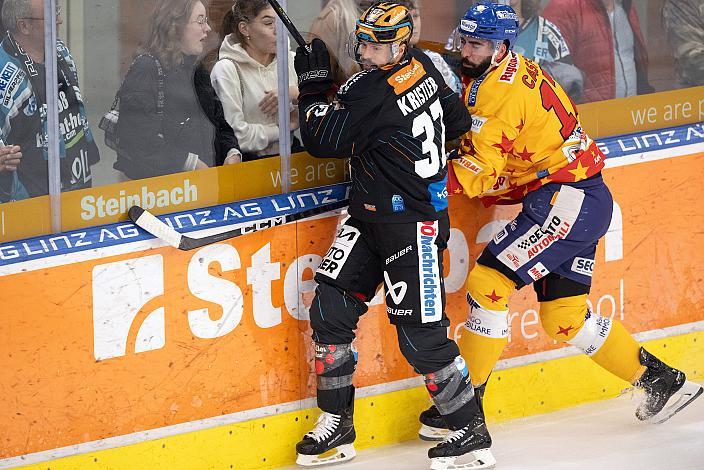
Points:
[245,78]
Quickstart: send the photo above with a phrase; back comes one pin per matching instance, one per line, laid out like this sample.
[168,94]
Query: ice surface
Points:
[599,436]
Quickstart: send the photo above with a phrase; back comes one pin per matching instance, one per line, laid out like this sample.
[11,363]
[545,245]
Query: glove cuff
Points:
[314,89]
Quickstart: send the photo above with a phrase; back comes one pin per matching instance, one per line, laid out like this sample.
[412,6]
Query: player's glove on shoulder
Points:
[453,154]
[313,69]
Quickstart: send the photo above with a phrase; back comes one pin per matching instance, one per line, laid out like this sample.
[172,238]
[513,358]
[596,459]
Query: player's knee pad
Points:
[334,314]
[489,288]
[563,318]
[487,295]
[452,392]
[334,365]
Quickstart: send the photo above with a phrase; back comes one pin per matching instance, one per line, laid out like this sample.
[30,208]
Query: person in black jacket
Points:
[178,124]
[392,119]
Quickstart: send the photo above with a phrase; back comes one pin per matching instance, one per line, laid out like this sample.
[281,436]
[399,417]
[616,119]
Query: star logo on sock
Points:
[564,331]
[494,297]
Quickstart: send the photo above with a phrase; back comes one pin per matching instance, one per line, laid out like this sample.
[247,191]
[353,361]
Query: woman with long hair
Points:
[246,80]
[170,117]
[333,25]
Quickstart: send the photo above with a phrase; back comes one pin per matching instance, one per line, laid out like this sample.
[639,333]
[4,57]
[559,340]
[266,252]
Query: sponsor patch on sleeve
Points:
[477,123]
[468,164]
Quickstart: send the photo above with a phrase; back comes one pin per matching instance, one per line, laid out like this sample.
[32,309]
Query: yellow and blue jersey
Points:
[525,133]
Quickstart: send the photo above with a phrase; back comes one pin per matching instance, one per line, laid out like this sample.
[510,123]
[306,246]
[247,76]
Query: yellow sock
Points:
[619,354]
[481,354]
[606,341]
[486,331]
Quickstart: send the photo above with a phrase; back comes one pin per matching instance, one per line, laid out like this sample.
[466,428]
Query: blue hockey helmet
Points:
[488,20]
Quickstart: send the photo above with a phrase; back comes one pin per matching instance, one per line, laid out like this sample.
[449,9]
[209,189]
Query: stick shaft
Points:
[150,223]
[289,24]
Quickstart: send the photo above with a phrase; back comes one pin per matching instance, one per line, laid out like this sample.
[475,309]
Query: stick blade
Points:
[156,227]
[134,212]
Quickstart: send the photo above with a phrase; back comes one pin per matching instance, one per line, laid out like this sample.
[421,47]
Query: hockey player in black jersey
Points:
[391,119]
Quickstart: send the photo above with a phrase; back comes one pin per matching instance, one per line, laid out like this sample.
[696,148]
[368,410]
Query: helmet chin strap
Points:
[495,55]
[395,48]
[394,51]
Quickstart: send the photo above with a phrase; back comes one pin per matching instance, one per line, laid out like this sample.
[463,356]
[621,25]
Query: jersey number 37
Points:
[427,124]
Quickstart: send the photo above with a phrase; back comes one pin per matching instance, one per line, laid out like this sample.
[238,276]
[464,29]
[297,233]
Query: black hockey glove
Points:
[453,154]
[313,69]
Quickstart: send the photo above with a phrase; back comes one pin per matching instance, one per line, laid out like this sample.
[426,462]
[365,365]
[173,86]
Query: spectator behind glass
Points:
[23,137]
[684,22]
[606,42]
[193,133]
[541,41]
[333,25]
[245,77]
[452,80]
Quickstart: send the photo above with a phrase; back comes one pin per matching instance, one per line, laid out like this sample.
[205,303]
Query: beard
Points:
[475,71]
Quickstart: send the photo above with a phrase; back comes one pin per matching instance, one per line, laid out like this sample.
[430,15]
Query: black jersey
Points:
[392,122]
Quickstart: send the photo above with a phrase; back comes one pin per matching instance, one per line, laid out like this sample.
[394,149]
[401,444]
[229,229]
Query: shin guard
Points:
[334,367]
[453,393]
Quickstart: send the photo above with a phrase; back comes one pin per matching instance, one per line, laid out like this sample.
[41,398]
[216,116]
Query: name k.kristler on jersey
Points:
[418,96]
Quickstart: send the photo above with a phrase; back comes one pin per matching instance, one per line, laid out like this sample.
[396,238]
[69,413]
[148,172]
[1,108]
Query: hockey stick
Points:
[289,25]
[146,220]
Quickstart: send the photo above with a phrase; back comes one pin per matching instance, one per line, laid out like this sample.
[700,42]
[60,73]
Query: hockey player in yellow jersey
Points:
[527,145]
[525,131]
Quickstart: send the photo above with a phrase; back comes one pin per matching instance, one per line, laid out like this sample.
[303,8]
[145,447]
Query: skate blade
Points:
[482,458]
[338,455]
[429,433]
[684,396]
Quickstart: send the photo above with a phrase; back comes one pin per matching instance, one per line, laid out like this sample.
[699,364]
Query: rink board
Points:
[382,419]
[184,386]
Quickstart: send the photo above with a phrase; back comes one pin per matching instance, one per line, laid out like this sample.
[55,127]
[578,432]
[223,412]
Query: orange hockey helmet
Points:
[384,23]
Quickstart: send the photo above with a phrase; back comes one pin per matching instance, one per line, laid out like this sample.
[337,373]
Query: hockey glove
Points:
[313,69]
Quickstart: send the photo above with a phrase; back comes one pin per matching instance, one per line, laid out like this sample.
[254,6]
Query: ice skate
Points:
[466,448]
[329,442]
[667,390]
[433,427]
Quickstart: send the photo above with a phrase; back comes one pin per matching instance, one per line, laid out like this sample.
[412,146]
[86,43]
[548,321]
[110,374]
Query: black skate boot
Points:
[667,390]
[466,448]
[330,432]
[433,426]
